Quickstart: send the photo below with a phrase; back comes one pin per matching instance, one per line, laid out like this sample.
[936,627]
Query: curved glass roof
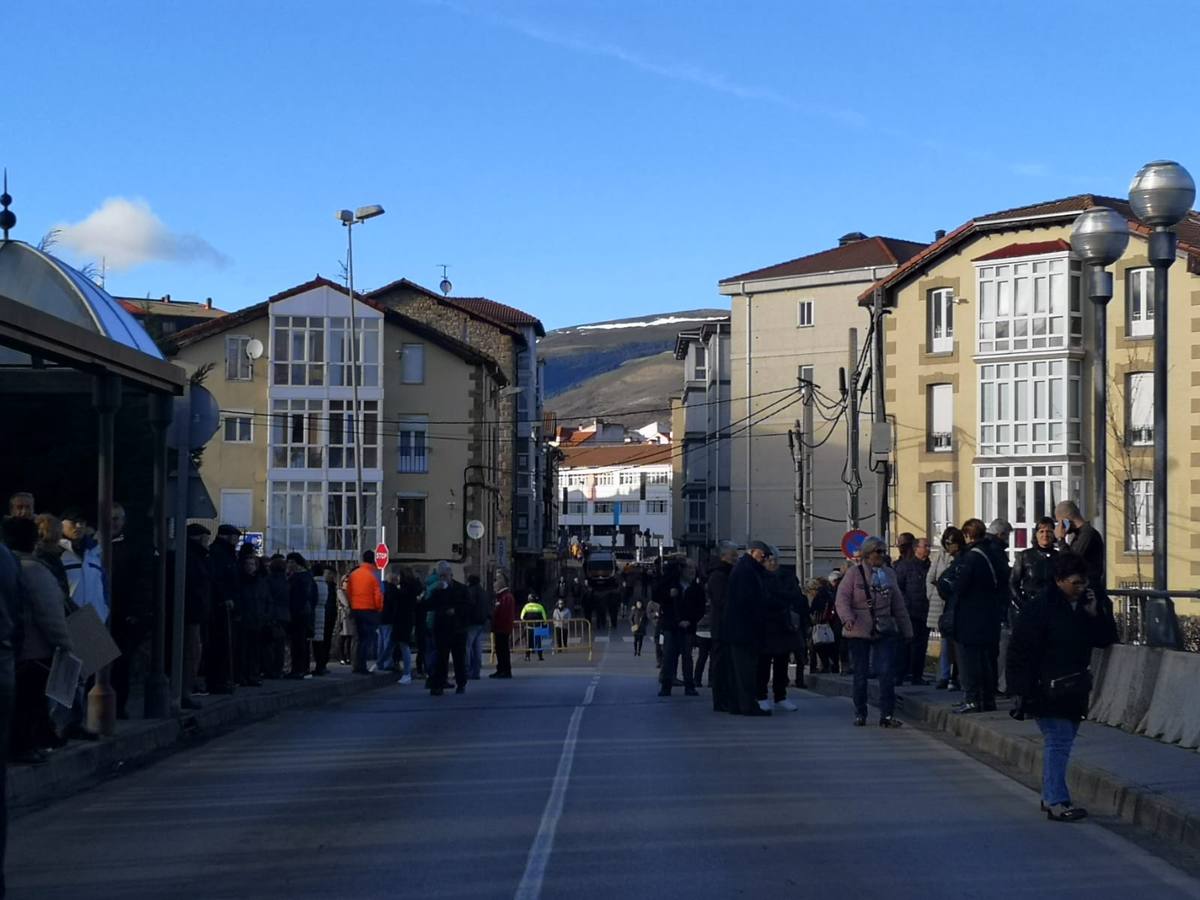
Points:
[46,283]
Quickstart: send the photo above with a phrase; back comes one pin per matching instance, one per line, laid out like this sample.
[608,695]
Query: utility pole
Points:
[852,433]
[796,445]
[883,516]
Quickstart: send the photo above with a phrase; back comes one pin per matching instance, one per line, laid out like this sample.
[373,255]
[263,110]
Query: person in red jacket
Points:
[503,616]
[366,603]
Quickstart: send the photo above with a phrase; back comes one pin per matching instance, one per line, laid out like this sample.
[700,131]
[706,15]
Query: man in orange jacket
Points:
[366,603]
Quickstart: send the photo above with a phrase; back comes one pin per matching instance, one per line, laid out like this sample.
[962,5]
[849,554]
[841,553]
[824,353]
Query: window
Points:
[699,362]
[296,517]
[410,524]
[941,320]
[342,434]
[239,428]
[298,350]
[941,418]
[577,508]
[604,478]
[1139,406]
[631,507]
[1029,306]
[657,477]
[576,480]
[804,314]
[1139,519]
[656,507]
[412,446]
[238,365]
[603,507]
[1029,408]
[296,440]
[628,478]
[341,516]
[941,508]
[1139,301]
[412,359]
[366,352]
[1023,494]
[696,521]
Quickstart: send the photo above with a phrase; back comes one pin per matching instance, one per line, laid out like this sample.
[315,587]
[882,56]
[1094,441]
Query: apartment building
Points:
[284,461]
[790,326]
[990,366]
[701,495]
[614,495]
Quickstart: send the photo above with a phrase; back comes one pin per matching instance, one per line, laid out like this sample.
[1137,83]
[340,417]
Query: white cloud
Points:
[126,233]
[1031,169]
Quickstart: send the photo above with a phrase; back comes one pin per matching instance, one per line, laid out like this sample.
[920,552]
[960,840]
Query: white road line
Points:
[530,887]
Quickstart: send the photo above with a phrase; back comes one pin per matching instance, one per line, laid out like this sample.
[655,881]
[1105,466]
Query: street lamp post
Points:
[1161,194]
[349,220]
[1099,238]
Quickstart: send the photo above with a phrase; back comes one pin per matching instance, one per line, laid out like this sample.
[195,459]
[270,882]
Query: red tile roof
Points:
[1063,209]
[180,308]
[500,313]
[872,251]
[615,455]
[1035,248]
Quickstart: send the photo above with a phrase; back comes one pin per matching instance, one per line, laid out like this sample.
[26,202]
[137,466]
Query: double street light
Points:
[349,220]
[1161,195]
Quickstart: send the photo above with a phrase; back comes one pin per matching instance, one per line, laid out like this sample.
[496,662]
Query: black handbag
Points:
[1069,687]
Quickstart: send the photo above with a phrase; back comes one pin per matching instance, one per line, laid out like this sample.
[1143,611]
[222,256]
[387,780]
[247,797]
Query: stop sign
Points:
[381,557]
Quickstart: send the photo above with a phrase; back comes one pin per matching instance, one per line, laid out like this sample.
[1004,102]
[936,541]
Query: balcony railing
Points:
[941,440]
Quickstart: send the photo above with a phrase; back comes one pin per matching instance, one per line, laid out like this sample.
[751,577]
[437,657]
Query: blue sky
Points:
[582,160]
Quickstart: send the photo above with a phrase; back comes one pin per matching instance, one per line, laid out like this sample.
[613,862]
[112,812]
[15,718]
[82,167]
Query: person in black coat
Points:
[911,569]
[1034,569]
[979,589]
[251,605]
[132,608]
[408,590]
[786,619]
[280,619]
[197,606]
[302,601]
[682,602]
[218,649]
[451,610]
[717,590]
[744,627]
[1048,659]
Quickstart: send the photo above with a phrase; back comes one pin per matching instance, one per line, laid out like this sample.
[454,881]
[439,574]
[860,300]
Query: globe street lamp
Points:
[1161,195]
[1099,238]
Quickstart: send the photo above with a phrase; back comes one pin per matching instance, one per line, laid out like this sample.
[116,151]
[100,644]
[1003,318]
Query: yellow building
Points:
[283,462]
[989,349]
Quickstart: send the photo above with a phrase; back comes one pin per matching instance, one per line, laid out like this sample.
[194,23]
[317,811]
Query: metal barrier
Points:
[1148,617]
[527,634]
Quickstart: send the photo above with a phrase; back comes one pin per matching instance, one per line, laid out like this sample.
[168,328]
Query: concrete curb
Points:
[81,764]
[1092,787]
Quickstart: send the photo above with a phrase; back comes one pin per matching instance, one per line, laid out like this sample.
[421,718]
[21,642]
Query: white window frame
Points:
[345,433]
[940,304]
[1014,491]
[235,353]
[576,508]
[308,452]
[416,460]
[1018,402]
[699,362]
[604,479]
[231,416]
[308,371]
[367,331]
[804,313]
[241,494]
[697,513]
[656,507]
[1139,409]
[296,516]
[1139,515]
[657,478]
[941,508]
[602,507]
[341,510]
[1028,305]
[1139,301]
[941,418]
[412,364]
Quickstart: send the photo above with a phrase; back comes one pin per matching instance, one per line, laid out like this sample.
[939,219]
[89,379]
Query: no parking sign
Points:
[852,542]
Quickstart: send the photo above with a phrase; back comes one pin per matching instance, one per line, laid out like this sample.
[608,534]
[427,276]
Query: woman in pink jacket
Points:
[874,618]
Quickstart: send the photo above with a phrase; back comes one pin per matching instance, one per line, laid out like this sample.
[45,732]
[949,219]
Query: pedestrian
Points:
[716,592]
[323,617]
[302,600]
[218,643]
[1074,534]
[408,589]
[197,603]
[534,614]
[703,642]
[251,606]
[503,616]
[83,564]
[682,604]
[744,627]
[1048,672]
[43,630]
[345,623]
[385,656]
[451,612]
[131,608]
[826,626]
[366,603]
[911,571]
[980,588]
[941,607]
[637,625]
[49,549]
[843,648]
[479,619]
[785,621]
[874,619]
[999,533]
[280,622]
[11,610]
[561,616]
[654,614]
[1033,570]
[21,505]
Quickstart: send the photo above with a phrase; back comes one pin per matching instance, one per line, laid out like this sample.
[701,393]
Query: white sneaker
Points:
[788,705]
[765,705]
[407,679]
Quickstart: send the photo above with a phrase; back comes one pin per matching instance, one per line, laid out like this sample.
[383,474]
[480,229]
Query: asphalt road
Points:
[569,782]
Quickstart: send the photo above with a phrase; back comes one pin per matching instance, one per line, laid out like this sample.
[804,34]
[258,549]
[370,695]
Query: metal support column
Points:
[852,433]
[1163,244]
[158,686]
[1100,291]
[102,699]
[180,505]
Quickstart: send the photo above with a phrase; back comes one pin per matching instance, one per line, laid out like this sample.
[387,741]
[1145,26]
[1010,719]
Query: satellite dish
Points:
[197,418]
[254,348]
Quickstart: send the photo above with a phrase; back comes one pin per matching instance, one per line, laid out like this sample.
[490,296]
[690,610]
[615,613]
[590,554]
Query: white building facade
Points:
[614,495]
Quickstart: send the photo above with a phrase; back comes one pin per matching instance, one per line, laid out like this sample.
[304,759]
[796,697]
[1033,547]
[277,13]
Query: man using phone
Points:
[1074,534]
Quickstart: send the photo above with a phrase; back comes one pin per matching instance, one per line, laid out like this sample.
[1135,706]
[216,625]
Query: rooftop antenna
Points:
[7,217]
[446,286]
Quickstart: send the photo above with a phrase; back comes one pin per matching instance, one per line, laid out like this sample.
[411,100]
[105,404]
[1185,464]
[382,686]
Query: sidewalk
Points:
[81,763]
[1147,783]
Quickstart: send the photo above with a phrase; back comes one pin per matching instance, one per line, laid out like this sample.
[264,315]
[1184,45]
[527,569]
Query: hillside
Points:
[624,364]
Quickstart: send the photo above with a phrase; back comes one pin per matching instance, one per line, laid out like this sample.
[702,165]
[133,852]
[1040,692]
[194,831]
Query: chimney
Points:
[850,238]
[166,298]
[939,234]
[208,302]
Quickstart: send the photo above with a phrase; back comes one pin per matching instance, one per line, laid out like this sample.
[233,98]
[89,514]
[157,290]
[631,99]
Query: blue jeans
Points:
[884,651]
[406,655]
[1058,736]
[944,663]
[366,622]
[474,650]
[386,649]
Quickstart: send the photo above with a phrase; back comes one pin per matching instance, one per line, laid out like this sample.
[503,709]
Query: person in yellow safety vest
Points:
[533,611]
